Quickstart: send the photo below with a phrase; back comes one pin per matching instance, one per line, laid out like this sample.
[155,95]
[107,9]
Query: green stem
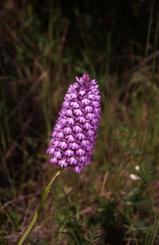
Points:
[38,208]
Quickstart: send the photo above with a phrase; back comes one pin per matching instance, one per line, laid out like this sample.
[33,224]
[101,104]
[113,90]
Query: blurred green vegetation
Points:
[44,46]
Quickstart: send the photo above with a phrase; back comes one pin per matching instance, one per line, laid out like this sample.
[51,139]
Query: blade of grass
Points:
[149,29]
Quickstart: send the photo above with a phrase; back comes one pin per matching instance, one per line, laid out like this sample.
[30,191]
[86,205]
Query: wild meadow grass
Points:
[115,200]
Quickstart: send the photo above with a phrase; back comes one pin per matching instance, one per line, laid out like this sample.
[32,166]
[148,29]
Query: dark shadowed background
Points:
[43,46]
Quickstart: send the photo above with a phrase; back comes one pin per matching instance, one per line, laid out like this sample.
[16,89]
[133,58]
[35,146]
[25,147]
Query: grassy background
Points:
[115,200]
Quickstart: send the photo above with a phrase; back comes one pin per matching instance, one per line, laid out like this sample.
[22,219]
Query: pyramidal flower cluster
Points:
[73,137]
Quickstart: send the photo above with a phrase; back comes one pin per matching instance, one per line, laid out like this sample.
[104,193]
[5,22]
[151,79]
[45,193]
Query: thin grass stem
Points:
[38,208]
